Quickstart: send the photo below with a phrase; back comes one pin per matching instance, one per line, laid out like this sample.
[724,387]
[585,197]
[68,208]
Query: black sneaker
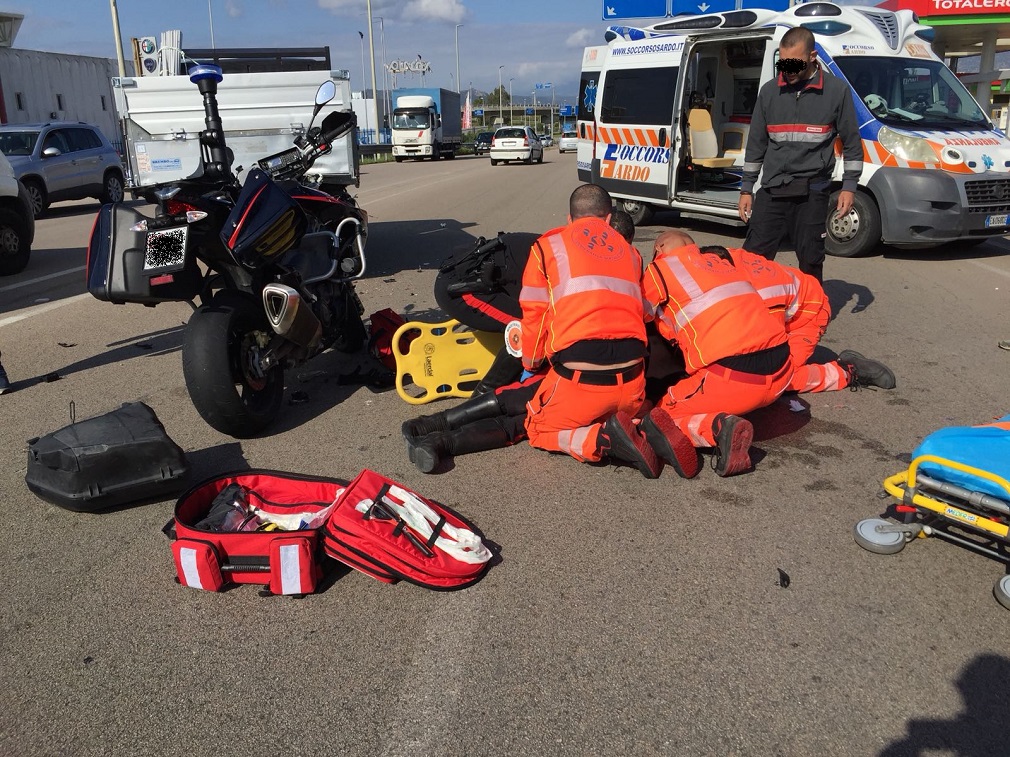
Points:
[866,372]
[621,440]
[671,443]
[733,436]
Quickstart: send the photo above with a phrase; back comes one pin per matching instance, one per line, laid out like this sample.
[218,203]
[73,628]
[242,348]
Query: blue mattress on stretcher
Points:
[983,447]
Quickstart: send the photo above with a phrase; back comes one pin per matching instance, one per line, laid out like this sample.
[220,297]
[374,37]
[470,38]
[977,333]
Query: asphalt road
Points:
[627,616]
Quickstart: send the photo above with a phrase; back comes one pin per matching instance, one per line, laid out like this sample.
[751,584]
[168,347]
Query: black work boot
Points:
[621,440]
[428,451]
[5,383]
[671,443]
[474,409]
[506,369]
[865,372]
[733,436]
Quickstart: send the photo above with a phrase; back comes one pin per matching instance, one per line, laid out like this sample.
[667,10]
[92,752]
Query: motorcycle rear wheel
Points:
[218,356]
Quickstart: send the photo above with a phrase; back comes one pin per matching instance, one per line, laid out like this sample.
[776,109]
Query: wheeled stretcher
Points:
[956,488]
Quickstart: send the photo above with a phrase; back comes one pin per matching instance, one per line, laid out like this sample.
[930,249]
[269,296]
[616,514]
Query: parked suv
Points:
[61,160]
[17,223]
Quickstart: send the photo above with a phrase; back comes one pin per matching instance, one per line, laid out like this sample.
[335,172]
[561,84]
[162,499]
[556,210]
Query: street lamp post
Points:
[371,57]
[500,92]
[119,38]
[510,102]
[363,81]
[210,13]
[385,85]
[457,56]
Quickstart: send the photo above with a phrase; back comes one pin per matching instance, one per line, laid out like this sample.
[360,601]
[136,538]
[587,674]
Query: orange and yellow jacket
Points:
[708,307]
[581,282]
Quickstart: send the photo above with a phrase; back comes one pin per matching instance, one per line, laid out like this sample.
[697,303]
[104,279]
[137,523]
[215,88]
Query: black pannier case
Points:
[120,268]
[114,459]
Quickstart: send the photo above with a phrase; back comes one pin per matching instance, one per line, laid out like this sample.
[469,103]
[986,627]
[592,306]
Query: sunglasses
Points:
[790,65]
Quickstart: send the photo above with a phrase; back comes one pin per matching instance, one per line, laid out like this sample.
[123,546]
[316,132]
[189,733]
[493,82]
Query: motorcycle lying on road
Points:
[271,260]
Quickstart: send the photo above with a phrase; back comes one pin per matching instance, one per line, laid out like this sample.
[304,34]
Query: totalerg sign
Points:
[927,8]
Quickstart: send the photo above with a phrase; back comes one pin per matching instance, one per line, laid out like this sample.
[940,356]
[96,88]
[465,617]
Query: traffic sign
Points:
[771,5]
[479,112]
[566,110]
[634,8]
[530,112]
[694,7]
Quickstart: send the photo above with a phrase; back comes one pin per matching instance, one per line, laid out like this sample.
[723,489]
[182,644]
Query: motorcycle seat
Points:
[314,255]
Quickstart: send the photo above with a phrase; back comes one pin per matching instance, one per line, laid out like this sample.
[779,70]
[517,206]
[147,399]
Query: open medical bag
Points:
[273,537]
[389,532]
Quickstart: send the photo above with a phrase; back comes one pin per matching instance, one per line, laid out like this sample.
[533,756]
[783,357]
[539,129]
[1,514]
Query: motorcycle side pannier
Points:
[114,459]
[265,222]
[145,267]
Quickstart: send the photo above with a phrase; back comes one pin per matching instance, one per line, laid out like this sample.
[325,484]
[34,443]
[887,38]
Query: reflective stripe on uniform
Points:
[567,284]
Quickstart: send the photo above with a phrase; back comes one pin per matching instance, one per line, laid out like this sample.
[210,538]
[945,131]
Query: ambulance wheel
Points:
[1001,590]
[641,212]
[869,537]
[856,234]
[225,382]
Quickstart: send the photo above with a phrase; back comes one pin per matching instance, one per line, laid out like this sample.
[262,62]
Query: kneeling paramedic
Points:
[583,317]
[735,351]
[798,299]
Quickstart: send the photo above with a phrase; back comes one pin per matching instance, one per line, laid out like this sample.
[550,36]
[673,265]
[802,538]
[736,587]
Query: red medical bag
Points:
[287,558]
[389,532]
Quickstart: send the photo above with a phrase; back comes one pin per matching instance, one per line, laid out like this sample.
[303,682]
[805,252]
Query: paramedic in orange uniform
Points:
[583,316]
[735,351]
[798,299]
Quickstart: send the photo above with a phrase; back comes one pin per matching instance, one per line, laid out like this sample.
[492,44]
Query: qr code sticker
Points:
[165,248]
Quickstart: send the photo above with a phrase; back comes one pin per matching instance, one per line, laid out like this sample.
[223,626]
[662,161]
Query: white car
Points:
[516,143]
[569,142]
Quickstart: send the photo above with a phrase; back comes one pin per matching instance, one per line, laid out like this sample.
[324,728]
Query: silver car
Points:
[516,143]
[569,142]
[62,160]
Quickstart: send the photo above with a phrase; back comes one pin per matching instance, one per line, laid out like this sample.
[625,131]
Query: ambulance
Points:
[664,113]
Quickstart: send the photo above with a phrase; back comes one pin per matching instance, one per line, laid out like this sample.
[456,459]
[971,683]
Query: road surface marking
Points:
[40,309]
[992,268]
[29,282]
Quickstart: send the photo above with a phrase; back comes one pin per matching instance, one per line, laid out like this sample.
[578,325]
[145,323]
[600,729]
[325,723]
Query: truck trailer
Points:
[262,113]
[426,123]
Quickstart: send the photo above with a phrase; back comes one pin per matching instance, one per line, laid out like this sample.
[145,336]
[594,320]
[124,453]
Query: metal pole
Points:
[210,13]
[385,81]
[510,102]
[371,57]
[363,82]
[119,38]
[457,57]
[500,109]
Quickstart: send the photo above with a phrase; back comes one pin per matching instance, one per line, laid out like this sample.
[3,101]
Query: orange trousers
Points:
[803,339]
[694,402]
[566,415]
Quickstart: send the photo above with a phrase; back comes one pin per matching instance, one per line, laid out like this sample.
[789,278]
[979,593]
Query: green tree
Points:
[499,97]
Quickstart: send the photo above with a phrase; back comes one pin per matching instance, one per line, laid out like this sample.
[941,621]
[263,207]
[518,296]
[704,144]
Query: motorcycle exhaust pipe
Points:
[290,316]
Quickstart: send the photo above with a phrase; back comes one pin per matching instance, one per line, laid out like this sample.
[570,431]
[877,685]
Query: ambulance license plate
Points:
[991,221]
[165,250]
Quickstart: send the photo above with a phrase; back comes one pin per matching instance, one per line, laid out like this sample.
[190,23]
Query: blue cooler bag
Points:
[985,447]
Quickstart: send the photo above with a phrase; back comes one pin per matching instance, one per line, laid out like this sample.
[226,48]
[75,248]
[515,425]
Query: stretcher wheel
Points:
[1001,590]
[869,537]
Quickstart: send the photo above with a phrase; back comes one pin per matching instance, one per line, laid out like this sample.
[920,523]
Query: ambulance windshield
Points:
[907,91]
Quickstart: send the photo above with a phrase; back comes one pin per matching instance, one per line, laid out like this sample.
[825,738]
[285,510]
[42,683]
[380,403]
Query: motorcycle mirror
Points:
[326,92]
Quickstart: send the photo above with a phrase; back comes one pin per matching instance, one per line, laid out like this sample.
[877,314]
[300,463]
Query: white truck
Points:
[426,123]
[162,117]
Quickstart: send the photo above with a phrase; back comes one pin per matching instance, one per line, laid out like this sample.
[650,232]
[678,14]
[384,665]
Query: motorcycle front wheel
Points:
[220,364]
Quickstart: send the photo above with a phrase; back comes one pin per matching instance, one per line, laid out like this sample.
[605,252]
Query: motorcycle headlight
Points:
[906,147]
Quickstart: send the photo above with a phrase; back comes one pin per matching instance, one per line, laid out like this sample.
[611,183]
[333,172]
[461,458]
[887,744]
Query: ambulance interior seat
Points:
[703,142]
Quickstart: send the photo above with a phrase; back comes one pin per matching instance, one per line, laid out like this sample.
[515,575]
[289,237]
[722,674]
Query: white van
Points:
[664,114]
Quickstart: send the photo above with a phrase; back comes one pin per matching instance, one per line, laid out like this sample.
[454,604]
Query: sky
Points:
[535,41]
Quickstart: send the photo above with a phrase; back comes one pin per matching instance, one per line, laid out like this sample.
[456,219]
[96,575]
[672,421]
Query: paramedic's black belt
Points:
[604,377]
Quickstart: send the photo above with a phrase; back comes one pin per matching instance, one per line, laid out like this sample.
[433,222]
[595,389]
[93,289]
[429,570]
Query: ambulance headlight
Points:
[906,147]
